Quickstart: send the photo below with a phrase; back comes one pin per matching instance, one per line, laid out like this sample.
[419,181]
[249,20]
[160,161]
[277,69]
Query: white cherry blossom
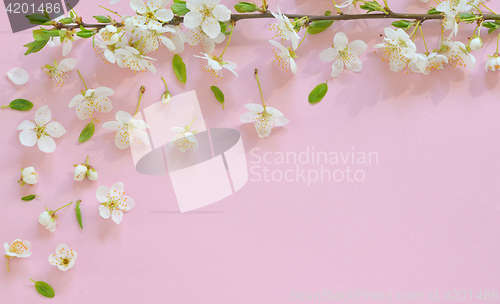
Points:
[18,249]
[66,39]
[346,3]
[64,258]
[493,63]
[264,118]
[28,176]
[134,60]
[343,53]
[215,65]
[93,100]
[459,55]
[207,14]
[114,202]
[398,49]
[58,71]
[150,15]
[48,220]
[41,130]
[285,57]
[196,36]
[285,30]
[127,130]
[185,139]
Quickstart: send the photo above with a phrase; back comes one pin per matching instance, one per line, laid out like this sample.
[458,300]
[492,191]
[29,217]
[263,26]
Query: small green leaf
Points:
[433,11]
[28,198]
[79,213]
[179,68]
[66,20]
[371,6]
[218,95]
[102,19]
[402,24]
[319,26]
[318,93]
[38,19]
[328,13]
[491,26]
[85,34]
[466,16]
[87,132]
[246,7]
[44,289]
[20,105]
[35,46]
[179,8]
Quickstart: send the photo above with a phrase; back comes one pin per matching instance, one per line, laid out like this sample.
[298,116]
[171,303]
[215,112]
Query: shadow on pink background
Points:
[424,219]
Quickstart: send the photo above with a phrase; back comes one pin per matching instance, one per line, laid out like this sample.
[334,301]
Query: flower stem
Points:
[86,88]
[386,5]
[143,89]
[62,207]
[166,87]
[423,38]
[498,41]
[116,13]
[227,44]
[338,9]
[303,38]
[8,259]
[87,160]
[32,281]
[260,89]
[488,8]
[192,122]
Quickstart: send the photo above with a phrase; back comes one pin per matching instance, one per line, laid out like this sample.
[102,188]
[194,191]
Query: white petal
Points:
[67,46]
[46,144]
[112,125]
[177,129]
[77,99]
[193,19]
[62,250]
[103,91]
[102,194]
[26,125]
[55,129]
[337,68]
[53,259]
[165,15]
[211,27]
[221,13]
[138,6]
[255,107]
[67,64]
[249,117]
[117,189]
[18,76]
[126,203]
[43,115]
[340,41]
[329,55]
[117,216]
[357,47]
[123,117]
[28,138]
[167,42]
[293,66]
[104,211]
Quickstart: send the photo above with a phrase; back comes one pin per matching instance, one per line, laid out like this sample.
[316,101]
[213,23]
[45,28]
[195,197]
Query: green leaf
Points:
[328,13]
[318,93]
[38,19]
[433,11]
[218,95]
[85,34]
[466,16]
[179,8]
[35,46]
[371,6]
[20,105]
[402,24]
[319,26]
[44,289]
[87,132]
[491,26]
[246,7]
[102,19]
[28,198]
[66,20]
[179,68]
[79,213]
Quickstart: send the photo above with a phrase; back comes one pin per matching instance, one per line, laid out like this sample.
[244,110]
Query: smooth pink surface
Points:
[425,219]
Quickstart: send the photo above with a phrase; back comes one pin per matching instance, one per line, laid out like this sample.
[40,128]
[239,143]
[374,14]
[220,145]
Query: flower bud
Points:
[476,44]
[92,174]
[29,175]
[80,172]
[165,98]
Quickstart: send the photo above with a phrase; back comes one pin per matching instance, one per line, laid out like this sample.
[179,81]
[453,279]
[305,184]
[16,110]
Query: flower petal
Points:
[138,6]
[117,216]
[26,125]
[102,194]
[340,41]
[112,125]
[126,203]
[55,129]
[62,250]
[193,19]
[53,259]
[211,27]
[104,211]
[116,191]
[18,76]
[164,15]
[67,65]
[123,117]
[329,55]
[254,108]
[46,144]
[76,100]
[43,115]
[221,13]
[28,138]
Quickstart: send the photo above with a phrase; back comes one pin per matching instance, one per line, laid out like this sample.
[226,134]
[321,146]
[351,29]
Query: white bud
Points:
[476,44]
[80,172]
[166,98]
[29,175]
[92,174]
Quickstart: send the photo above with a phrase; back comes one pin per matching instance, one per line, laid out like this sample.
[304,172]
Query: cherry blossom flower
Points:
[28,176]
[94,100]
[458,54]
[196,36]
[151,39]
[18,76]
[207,14]
[451,8]
[493,63]
[18,249]
[285,30]
[343,53]
[58,71]
[109,34]
[285,57]
[41,130]
[152,15]
[134,60]
[48,218]
[476,44]
[85,170]
[67,38]
[347,3]
[215,65]
[264,118]
[114,202]
[64,258]
[127,130]
[397,49]
[185,139]
[425,63]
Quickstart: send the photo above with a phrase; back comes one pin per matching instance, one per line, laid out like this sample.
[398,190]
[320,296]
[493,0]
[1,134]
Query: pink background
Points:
[425,219]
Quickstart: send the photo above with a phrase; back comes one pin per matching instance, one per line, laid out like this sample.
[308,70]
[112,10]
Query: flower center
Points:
[65,261]
[40,130]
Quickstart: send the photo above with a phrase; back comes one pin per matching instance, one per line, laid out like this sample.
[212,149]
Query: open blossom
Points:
[285,30]
[264,118]
[152,39]
[134,60]
[41,130]
[66,39]
[28,176]
[207,14]
[64,258]
[94,100]
[425,63]
[58,71]
[114,202]
[109,34]
[18,249]
[215,65]
[398,49]
[127,129]
[185,139]
[196,36]
[285,56]
[343,53]
[493,63]
[458,54]
[150,15]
